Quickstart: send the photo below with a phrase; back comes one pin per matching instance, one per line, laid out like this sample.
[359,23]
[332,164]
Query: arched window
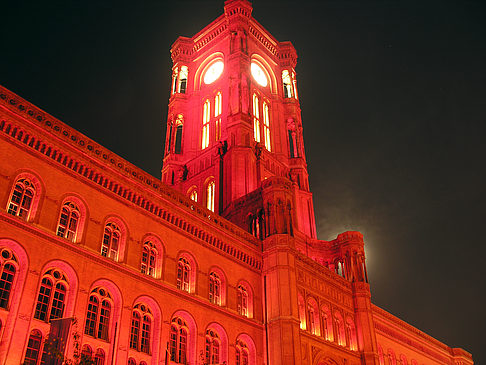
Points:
[381,357]
[52,296]
[68,221]
[391,357]
[111,241]
[178,134]
[8,263]
[217,115]
[256,118]
[205,127]
[193,194]
[287,84]
[351,334]
[33,348]
[302,316]
[313,317]
[212,347]
[210,190]
[403,360]
[183,80]
[86,354]
[266,127]
[178,341]
[21,199]
[214,288]
[242,301]
[242,352]
[98,314]
[326,324]
[131,361]
[149,259]
[99,358]
[184,274]
[340,334]
[140,330]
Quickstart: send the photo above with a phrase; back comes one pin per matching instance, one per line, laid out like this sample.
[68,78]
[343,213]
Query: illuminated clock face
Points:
[213,72]
[259,75]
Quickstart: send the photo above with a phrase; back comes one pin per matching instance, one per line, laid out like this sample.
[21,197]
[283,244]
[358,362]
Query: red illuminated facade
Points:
[219,262]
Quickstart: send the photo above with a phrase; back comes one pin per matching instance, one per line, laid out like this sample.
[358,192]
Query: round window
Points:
[213,72]
[259,75]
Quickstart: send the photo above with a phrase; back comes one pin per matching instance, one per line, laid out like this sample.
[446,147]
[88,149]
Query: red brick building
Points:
[218,263]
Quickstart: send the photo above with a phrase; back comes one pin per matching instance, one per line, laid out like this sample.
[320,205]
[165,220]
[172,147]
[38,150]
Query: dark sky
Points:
[393,95]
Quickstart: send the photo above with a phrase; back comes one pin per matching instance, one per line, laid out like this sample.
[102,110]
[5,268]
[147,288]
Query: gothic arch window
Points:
[8,266]
[99,358]
[313,317]
[33,348]
[205,124]
[326,323]
[141,328]
[21,200]
[242,353]
[351,334]
[178,341]
[99,313]
[69,219]
[51,298]
[244,300]
[151,260]
[340,333]
[113,243]
[212,347]
[193,193]
[256,118]
[210,195]
[218,108]
[179,125]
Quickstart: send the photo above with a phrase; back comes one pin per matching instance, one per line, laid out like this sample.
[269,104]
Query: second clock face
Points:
[213,72]
[258,74]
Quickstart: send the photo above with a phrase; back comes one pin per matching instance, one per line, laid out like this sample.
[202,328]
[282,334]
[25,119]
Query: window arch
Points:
[141,328]
[256,118]
[113,242]
[292,139]
[21,200]
[33,348]
[244,300]
[52,296]
[131,361]
[391,357]
[193,193]
[86,354]
[245,350]
[99,358]
[184,274]
[326,323]
[152,255]
[302,316]
[178,341]
[212,347]
[69,219]
[266,127]
[210,195]
[214,288]
[403,360]
[218,108]
[205,124]
[99,314]
[351,334]
[339,325]
[179,125]
[313,317]
[8,269]
[381,357]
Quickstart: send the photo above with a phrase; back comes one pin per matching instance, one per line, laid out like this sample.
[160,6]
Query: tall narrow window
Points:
[256,118]
[217,115]
[178,341]
[287,84]
[292,137]
[242,301]
[193,195]
[7,277]
[214,288]
[20,202]
[111,241]
[98,315]
[175,74]
[140,331]
[52,296]
[205,128]
[210,196]
[294,82]
[212,347]
[33,348]
[169,137]
[311,325]
[149,259]
[178,134]
[183,274]
[68,221]
[266,126]
[183,79]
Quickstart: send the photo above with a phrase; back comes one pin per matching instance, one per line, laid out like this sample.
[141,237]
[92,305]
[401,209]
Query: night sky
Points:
[393,97]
